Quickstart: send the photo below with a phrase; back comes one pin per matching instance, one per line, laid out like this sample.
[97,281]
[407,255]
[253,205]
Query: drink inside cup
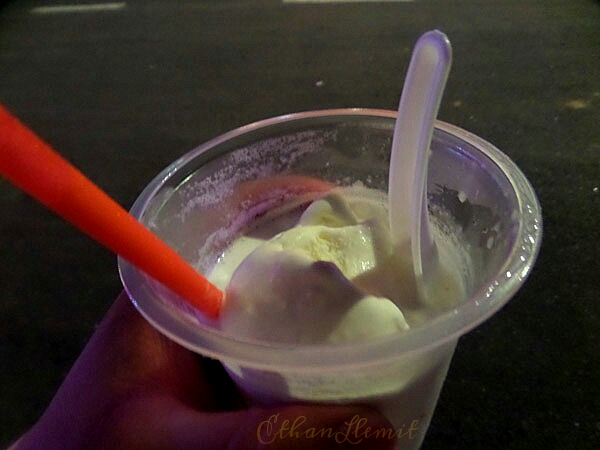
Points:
[321,178]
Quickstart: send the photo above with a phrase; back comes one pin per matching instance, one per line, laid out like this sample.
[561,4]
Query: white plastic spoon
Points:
[419,104]
[303,299]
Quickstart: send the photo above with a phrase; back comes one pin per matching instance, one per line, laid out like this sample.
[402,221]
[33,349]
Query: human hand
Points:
[132,388]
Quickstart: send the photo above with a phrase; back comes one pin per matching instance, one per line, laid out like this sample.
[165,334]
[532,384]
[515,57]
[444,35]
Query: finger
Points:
[147,357]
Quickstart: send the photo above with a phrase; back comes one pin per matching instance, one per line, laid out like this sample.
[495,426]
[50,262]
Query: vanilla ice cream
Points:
[333,277]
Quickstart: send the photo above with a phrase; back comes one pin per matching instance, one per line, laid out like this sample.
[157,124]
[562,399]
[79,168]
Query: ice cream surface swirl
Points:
[335,276]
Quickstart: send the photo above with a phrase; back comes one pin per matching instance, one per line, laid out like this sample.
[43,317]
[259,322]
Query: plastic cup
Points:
[194,205]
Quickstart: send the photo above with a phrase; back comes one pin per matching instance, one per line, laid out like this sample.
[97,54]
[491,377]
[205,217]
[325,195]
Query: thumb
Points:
[281,428]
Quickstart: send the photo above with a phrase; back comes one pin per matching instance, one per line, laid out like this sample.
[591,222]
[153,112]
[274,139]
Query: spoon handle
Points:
[419,104]
[30,164]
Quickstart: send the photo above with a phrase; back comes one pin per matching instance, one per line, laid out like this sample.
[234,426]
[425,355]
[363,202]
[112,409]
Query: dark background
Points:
[123,93]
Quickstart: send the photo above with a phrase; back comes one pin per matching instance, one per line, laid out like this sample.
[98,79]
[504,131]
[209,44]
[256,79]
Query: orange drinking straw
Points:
[32,165]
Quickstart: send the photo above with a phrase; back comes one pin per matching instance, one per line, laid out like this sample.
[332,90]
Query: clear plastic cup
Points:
[193,204]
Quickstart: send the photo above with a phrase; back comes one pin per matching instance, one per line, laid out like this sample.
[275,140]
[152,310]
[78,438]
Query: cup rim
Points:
[444,328]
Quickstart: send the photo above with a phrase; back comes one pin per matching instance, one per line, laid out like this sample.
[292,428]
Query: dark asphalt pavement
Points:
[125,91]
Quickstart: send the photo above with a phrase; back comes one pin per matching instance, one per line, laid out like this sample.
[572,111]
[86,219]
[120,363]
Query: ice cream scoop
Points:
[314,282]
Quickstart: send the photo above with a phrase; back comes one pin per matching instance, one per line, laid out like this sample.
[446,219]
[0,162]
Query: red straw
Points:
[32,165]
